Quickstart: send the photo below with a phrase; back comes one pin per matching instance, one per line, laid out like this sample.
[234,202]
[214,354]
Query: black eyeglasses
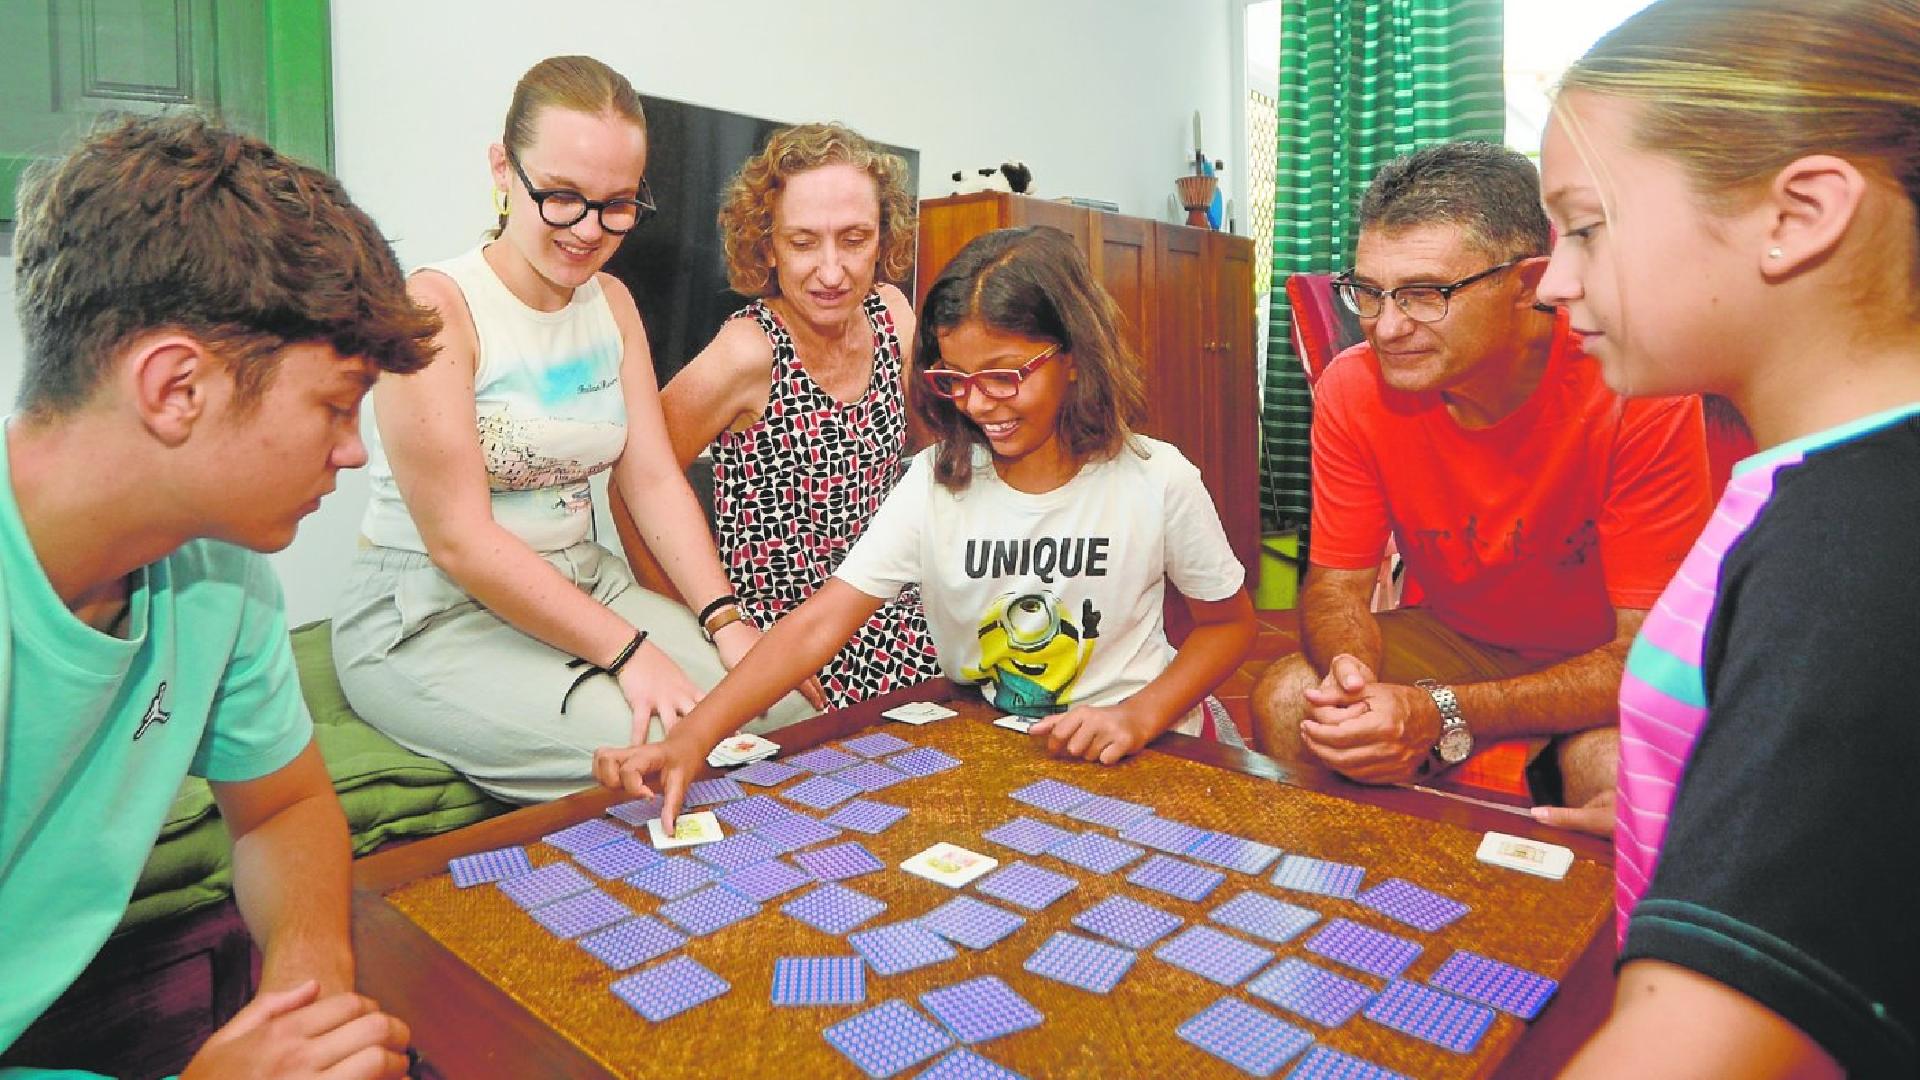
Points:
[996,383]
[1421,303]
[562,207]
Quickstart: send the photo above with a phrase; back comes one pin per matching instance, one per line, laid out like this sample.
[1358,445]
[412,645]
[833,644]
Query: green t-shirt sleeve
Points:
[259,721]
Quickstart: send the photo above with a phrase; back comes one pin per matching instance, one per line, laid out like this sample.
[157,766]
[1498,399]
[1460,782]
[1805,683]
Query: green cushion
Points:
[388,793]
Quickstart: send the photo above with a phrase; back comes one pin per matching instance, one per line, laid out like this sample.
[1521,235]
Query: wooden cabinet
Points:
[1186,296]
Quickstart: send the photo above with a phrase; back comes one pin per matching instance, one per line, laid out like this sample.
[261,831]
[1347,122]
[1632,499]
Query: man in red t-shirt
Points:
[1538,514]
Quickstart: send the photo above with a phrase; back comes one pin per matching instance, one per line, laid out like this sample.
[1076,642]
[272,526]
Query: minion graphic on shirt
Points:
[1032,651]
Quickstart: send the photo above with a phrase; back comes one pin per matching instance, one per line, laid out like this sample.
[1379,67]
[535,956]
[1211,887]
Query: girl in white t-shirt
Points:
[1041,529]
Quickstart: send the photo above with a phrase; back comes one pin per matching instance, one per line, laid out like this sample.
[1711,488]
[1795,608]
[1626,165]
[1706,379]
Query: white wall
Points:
[1097,96]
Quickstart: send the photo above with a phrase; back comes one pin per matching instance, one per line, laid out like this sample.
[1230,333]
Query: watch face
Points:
[1455,744]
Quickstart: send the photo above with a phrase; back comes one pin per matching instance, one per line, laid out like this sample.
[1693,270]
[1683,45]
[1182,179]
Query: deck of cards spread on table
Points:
[1106,843]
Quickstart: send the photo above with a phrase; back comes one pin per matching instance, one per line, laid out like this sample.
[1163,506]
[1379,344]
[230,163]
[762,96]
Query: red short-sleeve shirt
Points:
[1526,534]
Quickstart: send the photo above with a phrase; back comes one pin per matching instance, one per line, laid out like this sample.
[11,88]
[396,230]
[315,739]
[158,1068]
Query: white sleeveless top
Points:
[546,389]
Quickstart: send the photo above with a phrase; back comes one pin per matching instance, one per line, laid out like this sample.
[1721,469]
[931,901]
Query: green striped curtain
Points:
[1361,82]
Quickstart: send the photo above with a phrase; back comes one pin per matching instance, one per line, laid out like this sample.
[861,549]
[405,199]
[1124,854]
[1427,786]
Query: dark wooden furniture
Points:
[1186,296]
[465,1025]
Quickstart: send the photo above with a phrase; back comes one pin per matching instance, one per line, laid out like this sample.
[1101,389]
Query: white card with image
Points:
[700,827]
[741,749]
[949,864]
[1021,724]
[1526,856]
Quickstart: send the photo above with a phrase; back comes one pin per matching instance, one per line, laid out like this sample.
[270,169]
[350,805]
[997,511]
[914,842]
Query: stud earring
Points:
[500,201]
[1776,252]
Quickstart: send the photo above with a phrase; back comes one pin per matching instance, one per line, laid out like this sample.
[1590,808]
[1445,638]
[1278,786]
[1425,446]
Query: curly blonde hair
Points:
[746,218]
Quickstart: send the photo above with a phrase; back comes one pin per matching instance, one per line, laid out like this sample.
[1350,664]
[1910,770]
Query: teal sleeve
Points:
[259,721]
[15,1073]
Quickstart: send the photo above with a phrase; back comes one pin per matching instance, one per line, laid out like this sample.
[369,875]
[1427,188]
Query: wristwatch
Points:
[1455,741]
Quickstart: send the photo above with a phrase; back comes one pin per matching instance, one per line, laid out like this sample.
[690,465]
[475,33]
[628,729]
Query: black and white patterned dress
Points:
[793,492]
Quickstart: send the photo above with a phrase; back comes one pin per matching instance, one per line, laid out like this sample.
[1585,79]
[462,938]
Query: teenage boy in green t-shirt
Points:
[202,317]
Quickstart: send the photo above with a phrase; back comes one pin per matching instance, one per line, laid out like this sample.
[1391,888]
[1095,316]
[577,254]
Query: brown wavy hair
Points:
[746,217]
[174,222]
[1033,282]
[575,83]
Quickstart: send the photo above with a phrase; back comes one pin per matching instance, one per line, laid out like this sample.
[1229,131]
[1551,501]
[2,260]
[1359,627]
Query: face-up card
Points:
[918,712]
[1262,916]
[1051,795]
[766,774]
[1028,836]
[1490,982]
[837,862]
[1426,1013]
[1021,724]
[1311,991]
[1247,1037]
[545,885]
[887,1039]
[763,881]
[1182,880]
[949,864]
[819,980]
[1363,948]
[1527,856]
[718,790]
[1211,954]
[1026,885]
[1302,874]
[708,910]
[866,816]
[671,877]
[586,835]
[901,946]
[970,922]
[1081,961]
[700,827]
[741,749]
[488,866]
[633,942]
[581,913]
[1326,1063]
[980,1009]
[1097,852]
[669,988]
[876,744]
[1403,901]
[1127,921]
[820,792]
[833,908]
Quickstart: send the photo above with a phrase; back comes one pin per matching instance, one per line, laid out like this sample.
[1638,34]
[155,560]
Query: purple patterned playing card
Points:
[755,811]
[488,866]
[1362,948]
[964,1064]
[1181,880]
[820,792]
[901,946]
[793,833]
[1109,811]
[1234,852]
[1028,836]
[1302,874]
[618,859]
[866,816]
[1403,901]
[1311,991]
[819,980]
[586,836]
[1025,884]
[1097,852]
[637,812]
[1173,837]
[669,988]
[871,776]
[633,942]
[1081,961]
[1214,955]
[888,1038]
[1127,921]
[970,922]
[839,861]
[1326,1063]
[765,774]
[823,759]
[1051,795]
[545,885]
[763,881]
[708,792]
[1248,1038]
[877,744]
[1262,916]
[581,913]
[923,761]
[736,851]
[1490,982]
[671,877]
[708,910]
[1426,1013]
[980,1009]
[834,909]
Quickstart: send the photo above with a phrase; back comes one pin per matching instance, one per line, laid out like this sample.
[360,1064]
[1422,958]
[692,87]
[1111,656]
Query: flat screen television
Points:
[674,263]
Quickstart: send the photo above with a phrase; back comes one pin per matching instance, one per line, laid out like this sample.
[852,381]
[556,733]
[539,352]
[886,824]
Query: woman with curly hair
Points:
[800,394]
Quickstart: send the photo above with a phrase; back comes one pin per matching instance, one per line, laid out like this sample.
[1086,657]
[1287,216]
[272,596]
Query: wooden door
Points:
[1230,263]
[1122,256]
[945,227]
[1180,404]
[1075,221]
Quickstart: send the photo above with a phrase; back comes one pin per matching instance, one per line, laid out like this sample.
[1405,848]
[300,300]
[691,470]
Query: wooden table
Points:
[466,1025]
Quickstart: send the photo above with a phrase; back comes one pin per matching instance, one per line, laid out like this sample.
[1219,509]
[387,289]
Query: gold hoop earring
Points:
[500,201]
